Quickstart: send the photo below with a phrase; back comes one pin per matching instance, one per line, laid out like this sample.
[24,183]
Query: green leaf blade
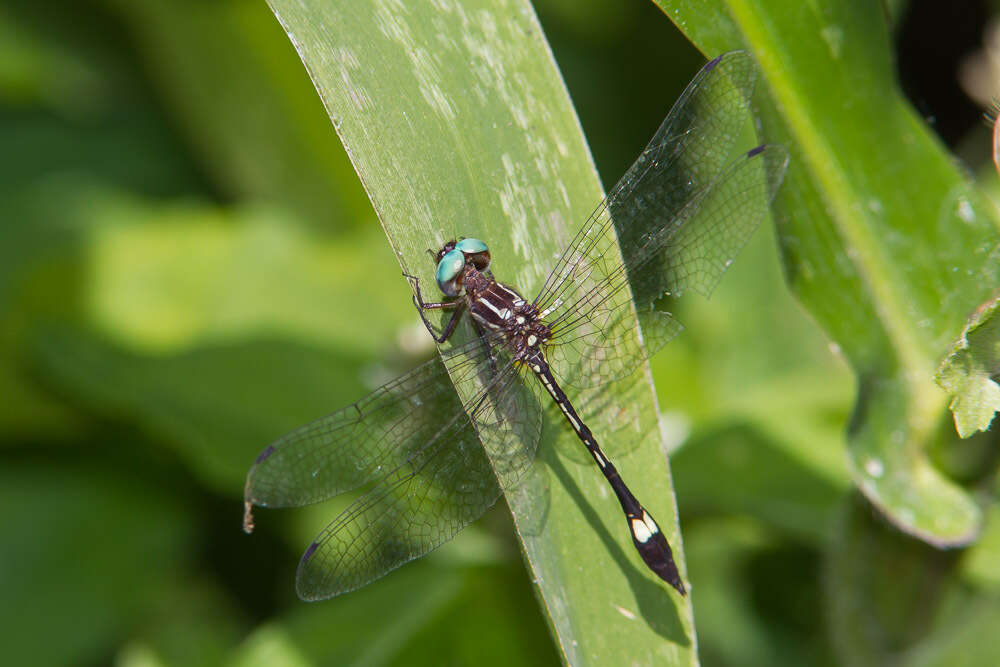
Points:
[458,124]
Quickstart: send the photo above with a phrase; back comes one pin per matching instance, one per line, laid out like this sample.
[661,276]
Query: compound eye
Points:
[450,271]
[471,246]
[476,252]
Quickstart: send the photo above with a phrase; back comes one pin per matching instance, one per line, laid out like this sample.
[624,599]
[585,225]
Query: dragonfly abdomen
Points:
[646,535]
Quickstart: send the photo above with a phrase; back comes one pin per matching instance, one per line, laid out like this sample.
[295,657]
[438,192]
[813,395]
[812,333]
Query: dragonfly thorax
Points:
[499,307]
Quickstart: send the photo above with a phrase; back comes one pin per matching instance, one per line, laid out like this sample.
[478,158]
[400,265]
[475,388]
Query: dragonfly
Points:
[431,462]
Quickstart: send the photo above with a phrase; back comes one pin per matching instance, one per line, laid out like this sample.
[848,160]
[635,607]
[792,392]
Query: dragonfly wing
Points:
[690,148]
[359,443]
[507,413]
[444,485]
[703,239]
[669,215]
[690,250]
[423,503]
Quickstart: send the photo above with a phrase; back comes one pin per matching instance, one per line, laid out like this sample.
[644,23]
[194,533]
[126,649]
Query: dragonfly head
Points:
[452,260]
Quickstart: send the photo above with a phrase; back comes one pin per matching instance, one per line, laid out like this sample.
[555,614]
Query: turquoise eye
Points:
[471,246]
[475,251]
[449,270]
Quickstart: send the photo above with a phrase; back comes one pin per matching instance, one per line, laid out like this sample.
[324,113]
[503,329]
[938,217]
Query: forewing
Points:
[674,218]
[701,241]
[442,487]
[689,149]
[690,253]
[361,442]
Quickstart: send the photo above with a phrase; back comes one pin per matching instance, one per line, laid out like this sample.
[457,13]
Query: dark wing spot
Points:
[310,551]
[264,454]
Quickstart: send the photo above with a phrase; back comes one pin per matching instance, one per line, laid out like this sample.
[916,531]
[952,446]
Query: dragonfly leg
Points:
[421,305]
[486,344]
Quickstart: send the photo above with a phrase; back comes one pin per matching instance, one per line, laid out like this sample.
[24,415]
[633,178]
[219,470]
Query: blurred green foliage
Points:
[185,253]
